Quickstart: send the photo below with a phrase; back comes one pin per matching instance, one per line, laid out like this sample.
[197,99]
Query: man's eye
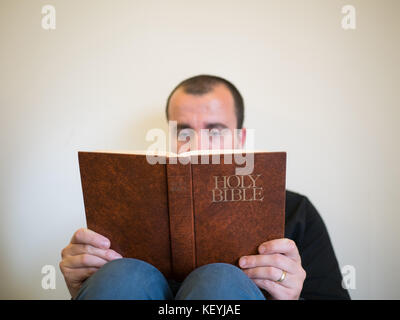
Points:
[214,133]
[184,133]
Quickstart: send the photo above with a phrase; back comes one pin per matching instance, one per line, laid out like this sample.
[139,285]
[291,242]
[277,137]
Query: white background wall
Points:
[327,96]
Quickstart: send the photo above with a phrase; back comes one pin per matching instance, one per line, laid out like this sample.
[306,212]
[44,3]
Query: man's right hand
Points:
[87,252]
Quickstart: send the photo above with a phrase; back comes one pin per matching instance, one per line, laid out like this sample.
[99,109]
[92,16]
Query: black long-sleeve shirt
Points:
[304,225]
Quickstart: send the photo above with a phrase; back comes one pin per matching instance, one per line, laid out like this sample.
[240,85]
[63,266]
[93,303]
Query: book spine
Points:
[181,219]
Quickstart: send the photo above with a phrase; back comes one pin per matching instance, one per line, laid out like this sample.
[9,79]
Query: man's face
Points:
[214,111]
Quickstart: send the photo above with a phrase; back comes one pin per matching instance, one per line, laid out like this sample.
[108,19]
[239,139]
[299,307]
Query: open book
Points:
[179,212]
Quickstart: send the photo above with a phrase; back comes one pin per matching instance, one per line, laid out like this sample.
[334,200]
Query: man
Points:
[300,266]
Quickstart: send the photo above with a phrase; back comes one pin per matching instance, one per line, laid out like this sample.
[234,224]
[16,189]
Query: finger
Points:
[275,289]
[269,273]
[285,246]
[83,261]
[277,260]
[78,275]
[77,249]
[86,236]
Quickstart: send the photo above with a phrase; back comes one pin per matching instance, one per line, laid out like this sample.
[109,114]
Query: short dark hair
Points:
[202,84]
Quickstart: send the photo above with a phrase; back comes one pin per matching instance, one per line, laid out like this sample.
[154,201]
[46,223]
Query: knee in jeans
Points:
[220,266]
[220,269]
[125,278]
[124,264]
[218,281]
[129,267]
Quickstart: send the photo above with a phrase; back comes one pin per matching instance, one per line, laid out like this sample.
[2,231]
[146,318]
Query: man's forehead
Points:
[215,104]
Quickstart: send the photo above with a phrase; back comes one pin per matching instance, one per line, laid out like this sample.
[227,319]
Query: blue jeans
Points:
[127,278]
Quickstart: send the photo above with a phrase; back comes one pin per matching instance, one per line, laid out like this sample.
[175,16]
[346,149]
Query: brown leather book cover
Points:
[181,216]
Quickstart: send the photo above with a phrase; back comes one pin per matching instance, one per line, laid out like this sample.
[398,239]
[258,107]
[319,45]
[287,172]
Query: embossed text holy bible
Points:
[178,216]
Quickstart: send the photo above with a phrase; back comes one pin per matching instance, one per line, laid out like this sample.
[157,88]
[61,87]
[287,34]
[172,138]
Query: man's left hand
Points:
[266,268]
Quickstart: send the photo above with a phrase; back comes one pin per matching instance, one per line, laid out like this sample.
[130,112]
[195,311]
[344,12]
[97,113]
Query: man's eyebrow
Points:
[181,126]
[215,125]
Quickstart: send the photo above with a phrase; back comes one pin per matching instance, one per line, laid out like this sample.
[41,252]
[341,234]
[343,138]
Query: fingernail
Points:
[114,255]
[243,262]
[105,243]
[117,255]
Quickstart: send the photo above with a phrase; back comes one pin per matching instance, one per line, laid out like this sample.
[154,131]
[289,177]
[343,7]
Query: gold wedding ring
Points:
[283,276]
